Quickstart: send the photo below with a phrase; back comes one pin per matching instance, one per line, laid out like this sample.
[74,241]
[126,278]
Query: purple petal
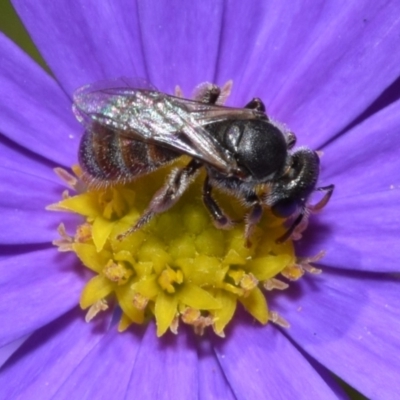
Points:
[349,323]
[15,157]
[36,288]
[50,356]
[106,369]
[362,219]
[22,207]
[259,361]
[358,233]
[35,112]
[85,41]
[9,349]
[366,158]
[181,42]
[317,66]
[328,377]
[388,96]
[165,368]
[212,382]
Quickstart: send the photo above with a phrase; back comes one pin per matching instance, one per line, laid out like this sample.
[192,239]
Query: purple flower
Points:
[327,70]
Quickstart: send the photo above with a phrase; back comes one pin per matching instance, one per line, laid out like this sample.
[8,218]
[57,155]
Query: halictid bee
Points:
[132,129]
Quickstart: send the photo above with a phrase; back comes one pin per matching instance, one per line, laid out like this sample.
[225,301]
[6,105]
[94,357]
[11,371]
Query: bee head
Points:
[291,191]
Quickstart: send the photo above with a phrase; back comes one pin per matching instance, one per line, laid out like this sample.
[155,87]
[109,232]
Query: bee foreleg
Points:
[253,217]
[292,228]
[177,183]
[220,219]
[301,222]
[322,203]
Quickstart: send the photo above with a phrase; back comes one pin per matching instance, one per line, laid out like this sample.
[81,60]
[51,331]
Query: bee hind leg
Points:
[177,183]
[207,93]
[210,93]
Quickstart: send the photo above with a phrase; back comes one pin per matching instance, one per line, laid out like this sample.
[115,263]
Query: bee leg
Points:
[176,184]
[300,226]
[323,202]
[221,221]
[207,93]
[256,104]
[253,217]
[294,225]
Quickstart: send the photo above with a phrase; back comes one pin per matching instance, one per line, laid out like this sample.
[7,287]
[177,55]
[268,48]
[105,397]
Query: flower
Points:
[331,73]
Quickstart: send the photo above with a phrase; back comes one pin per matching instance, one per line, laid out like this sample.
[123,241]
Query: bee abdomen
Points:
[109,157]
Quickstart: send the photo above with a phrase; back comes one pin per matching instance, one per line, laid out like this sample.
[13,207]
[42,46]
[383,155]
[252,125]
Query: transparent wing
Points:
[207,113]
[145,114]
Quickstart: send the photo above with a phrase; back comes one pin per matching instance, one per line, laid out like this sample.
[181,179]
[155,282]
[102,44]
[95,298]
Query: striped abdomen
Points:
[109,157]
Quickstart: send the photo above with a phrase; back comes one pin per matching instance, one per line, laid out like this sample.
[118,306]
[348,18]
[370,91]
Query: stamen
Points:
[140,302]
[72,181]
[94,309]
[117,272]
[168,278]
[65,243]
[296,271]
[271,284]
[278,320]
[194,317]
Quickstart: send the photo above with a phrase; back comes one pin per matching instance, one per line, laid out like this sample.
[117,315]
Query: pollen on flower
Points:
[178,268]
[95,308]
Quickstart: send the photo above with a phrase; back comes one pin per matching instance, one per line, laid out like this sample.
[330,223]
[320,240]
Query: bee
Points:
[131,129]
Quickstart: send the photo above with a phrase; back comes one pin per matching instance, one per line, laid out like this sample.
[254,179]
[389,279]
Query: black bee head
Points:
[291,191]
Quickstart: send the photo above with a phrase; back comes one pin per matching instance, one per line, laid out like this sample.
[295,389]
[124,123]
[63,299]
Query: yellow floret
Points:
[179,267]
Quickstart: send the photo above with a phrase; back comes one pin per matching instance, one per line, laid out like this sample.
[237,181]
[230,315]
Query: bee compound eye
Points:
[285,208]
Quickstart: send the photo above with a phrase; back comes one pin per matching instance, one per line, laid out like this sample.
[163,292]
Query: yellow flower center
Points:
[179,267]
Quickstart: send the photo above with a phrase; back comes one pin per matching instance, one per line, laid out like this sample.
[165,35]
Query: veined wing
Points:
[152,116]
